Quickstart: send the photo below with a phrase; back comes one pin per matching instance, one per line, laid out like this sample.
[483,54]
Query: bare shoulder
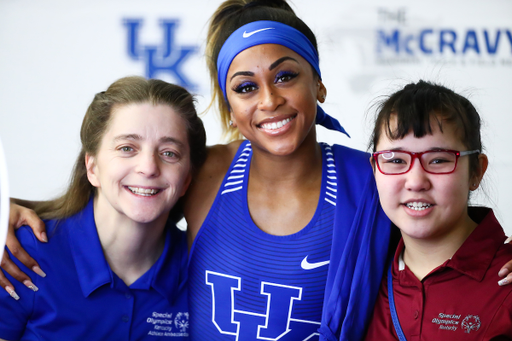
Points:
[206,184]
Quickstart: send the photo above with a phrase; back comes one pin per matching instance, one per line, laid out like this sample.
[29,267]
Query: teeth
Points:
[418,206]
[146,192]
[275,125]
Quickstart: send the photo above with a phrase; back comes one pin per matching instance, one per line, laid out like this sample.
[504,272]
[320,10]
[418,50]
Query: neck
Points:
[424,255]
[130,248]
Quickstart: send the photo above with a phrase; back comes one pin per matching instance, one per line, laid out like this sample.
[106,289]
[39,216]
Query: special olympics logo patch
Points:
[181,322]
[471,323]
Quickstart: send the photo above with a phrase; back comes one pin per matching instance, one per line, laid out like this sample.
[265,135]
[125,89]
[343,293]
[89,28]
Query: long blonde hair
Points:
[124,91]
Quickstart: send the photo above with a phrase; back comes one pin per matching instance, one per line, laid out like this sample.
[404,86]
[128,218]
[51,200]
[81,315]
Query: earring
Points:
[323,97]
[230,123]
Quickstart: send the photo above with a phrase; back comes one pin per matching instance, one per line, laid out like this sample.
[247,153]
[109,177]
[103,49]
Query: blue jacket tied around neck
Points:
[359,250]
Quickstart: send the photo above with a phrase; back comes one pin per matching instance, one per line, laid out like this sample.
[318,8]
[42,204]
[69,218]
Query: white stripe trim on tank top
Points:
[332,182]
[237,171]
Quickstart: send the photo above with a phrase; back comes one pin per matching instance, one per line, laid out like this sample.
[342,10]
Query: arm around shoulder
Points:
[22,213]
[19,216]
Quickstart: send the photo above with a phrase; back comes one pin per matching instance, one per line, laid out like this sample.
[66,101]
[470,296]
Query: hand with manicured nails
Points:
[18,217]
[506,270]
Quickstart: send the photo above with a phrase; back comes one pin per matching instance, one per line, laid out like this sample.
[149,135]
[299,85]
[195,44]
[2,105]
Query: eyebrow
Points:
[281,60]
[242,73]
[399,149]
[127,137]
[271,67]
[165,139]
[168,139]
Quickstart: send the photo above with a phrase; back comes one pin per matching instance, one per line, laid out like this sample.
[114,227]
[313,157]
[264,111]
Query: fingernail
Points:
[44,237]
[30,285]
[503,272]
[503,281]
[38,271]
[11,292]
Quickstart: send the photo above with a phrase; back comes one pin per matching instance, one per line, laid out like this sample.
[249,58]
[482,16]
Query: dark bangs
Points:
[418,105]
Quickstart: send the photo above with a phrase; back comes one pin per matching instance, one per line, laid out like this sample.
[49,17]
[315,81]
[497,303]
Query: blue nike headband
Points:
[271,32]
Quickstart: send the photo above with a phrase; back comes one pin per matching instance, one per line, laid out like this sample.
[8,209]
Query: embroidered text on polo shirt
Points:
[164,324]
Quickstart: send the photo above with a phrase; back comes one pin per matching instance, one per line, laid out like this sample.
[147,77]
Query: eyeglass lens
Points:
[434,162]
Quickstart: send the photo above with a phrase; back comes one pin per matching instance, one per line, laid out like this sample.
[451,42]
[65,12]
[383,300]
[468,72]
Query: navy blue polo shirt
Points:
[82,299]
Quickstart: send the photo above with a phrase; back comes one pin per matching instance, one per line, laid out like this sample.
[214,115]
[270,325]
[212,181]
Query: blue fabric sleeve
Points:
[15,314]
[359,250]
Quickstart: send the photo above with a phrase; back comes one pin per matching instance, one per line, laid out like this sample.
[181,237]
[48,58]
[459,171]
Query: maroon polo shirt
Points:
[459,300]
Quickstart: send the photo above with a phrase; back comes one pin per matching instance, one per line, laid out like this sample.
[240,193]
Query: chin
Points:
[281,152]
[283,149]
[419,235]
[419,232]
[144,217]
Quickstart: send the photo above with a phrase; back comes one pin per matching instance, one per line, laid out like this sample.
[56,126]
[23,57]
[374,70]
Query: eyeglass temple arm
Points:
[469,152]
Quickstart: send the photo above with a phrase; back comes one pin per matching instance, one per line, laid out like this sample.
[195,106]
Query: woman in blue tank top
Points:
[263,214]
[284,232]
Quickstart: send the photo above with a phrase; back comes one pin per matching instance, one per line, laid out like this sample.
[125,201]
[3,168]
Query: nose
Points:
[417,179]
[148,165]
[270,98]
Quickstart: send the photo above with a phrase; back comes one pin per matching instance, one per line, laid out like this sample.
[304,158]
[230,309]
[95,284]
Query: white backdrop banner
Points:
[55,55]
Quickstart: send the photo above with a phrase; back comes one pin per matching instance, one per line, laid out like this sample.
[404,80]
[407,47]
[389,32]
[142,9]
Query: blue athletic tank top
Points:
[245,284]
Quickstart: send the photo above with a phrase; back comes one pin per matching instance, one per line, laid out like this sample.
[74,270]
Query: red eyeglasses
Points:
[439,161]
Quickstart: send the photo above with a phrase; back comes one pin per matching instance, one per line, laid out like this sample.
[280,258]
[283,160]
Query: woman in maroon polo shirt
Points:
[441,283]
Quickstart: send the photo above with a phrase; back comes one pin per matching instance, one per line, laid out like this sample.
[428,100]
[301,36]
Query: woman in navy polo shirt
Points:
[115,262]
[441,284]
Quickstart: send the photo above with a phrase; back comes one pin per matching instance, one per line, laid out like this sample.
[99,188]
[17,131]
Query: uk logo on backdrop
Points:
[167,58]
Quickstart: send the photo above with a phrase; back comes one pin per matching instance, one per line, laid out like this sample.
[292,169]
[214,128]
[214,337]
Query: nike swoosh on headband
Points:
[310,266]
[248,34]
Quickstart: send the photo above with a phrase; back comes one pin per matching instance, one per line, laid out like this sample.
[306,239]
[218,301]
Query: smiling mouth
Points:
[145,192]
[276,125]
[418,206]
